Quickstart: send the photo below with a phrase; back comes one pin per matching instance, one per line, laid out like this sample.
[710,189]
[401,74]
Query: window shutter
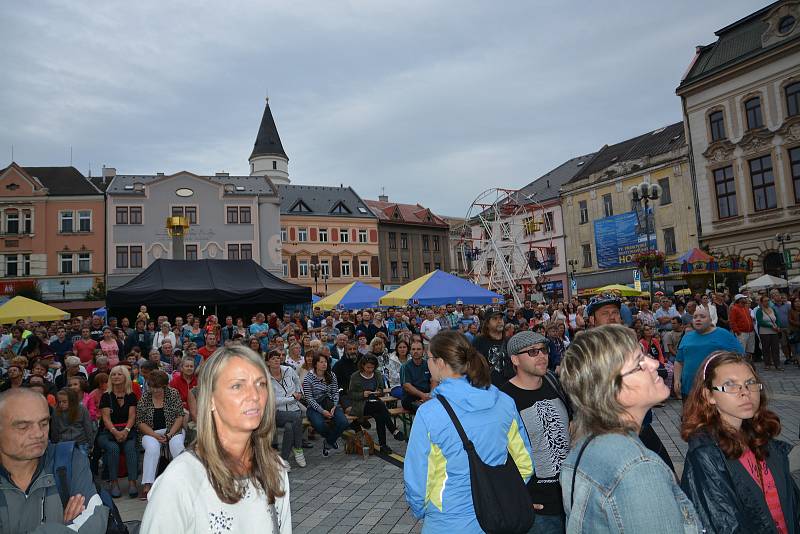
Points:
[293,266]
[336,268]
[355,270]
[373,268]
[373,236]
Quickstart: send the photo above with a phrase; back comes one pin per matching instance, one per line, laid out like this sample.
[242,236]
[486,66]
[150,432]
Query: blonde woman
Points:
[117,434]
[610,481]
[232,480]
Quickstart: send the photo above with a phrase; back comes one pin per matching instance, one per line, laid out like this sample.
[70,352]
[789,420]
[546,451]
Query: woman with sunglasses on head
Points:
[736,472]
[610,481]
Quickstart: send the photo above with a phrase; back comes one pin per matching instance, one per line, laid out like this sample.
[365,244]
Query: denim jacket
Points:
[622,486]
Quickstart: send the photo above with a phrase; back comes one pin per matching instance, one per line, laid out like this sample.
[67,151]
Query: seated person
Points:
[416,379]
[28,499]
[344,369]
[321,391]
[365,392]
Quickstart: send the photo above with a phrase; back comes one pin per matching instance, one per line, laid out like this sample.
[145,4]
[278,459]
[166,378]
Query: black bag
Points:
[499,495]
[326,402]
[164,458]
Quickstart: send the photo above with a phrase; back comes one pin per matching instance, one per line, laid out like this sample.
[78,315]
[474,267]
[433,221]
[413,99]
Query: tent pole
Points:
[215,310]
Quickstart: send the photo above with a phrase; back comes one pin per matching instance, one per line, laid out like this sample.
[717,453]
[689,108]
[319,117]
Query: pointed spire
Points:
[268,142]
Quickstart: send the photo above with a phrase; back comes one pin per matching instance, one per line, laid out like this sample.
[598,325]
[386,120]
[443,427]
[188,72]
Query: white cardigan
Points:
[182,500]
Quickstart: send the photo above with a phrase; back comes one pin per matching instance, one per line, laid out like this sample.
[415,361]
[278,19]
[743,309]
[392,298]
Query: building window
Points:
[323,235]
[392,240]
[792,92]
[666,193]
[583,209]
[65,224]
[244,215]
[344,235]
[84,262]
[549,222]
[136,257]
[669,241]
[190,212]
[426,245]
[242,251]
[84,221]
[763,181]
[302,234]
[12,265]
[285,265]
[752,110]
[608,205]
[362,236]
[232,215]
[122,257]
[325,268]
[404,241]
[794,159]
[274,165]
[725,185]
[346,268]
[27,221]
[65,264]
[587,255]
[302,269]
[135,215]
[405,270]
[26,265]
[394,269]
[505,231]
[436,245]
[283,234]
[437,266]
[233,252]
[122,215]
[190,252]
[717,123]
[12,222]
[426,267]
[363,268]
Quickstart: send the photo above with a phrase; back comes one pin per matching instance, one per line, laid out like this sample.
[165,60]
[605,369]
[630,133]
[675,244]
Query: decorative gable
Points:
[300,207]
[783,23]
[340,209]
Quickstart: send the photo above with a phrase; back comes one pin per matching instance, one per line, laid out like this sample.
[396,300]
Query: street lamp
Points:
[316,272]
[573,264]
[64,284]
[644,193]
[782,239]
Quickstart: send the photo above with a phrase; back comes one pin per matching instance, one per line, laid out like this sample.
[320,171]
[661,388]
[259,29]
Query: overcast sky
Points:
[433,101]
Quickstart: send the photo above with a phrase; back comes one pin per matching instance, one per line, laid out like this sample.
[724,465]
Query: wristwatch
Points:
[128,429]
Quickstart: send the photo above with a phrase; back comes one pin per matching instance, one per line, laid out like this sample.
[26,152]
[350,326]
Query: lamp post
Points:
[177,227]
[64,284]
[316,270]
[644,193]
[782,238]
[573,264]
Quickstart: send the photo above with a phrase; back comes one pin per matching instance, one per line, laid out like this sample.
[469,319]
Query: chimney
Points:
[383,198]
[108,173]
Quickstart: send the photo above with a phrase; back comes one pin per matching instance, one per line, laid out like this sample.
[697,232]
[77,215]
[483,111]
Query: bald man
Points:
[30,501]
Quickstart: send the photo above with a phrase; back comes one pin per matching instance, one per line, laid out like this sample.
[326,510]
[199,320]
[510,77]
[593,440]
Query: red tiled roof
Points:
[405,213]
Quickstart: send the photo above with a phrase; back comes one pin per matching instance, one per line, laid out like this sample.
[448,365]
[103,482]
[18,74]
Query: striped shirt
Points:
[315,389]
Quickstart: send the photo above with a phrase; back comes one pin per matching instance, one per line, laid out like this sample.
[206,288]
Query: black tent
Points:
[223,283]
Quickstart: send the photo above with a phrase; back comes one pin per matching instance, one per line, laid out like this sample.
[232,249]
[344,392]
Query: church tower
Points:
[268,157]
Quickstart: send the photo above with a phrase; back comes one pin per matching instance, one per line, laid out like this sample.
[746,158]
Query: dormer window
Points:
[340,209]
[786,24]
[300,207]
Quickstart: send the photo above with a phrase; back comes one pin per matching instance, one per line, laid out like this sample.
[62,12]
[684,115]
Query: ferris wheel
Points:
[497,243]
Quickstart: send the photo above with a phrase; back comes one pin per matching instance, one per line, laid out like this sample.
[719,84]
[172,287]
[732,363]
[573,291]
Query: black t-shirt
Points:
[496,354]
[159,420]
[119,413]
[722,317]
[547,424]
[348,328]
[344,369]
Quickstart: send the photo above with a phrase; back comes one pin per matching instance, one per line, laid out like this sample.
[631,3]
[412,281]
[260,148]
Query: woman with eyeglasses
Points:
[736,471]
[610,481]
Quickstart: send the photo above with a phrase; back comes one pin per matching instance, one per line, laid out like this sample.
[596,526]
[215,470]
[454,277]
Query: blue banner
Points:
[618,238]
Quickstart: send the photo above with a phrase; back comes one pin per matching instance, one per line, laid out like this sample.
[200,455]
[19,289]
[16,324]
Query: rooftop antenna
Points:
[70,155]
[267,95]
[12,153]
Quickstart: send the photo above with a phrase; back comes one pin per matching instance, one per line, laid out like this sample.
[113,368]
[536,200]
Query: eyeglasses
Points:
[533,351]
[734,389]
[641,365]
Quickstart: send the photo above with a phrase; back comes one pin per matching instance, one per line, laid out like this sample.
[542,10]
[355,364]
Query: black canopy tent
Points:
[232,285]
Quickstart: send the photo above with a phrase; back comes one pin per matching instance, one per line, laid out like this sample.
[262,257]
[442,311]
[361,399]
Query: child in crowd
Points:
[71,421]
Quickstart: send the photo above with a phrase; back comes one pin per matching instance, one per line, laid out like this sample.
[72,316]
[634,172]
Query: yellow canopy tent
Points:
[624,291]
[683,292]
[30,310]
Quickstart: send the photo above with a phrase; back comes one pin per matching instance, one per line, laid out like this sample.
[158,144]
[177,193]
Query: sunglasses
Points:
[533,351]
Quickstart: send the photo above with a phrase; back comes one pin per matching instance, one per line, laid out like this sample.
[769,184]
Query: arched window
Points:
[773,264]
[752,109]
[792,92]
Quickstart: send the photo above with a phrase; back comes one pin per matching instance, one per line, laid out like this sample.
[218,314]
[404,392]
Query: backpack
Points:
[499,495]
[62,469]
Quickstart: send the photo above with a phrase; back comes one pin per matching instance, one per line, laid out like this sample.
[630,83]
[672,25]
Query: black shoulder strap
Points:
[575,470]
[556,385]
[468,445]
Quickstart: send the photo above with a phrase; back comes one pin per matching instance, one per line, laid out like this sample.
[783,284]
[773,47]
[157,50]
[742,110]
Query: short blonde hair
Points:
[591,376]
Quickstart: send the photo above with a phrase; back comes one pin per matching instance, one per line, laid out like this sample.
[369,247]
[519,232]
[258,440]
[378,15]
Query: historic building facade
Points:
[741,110]
[230,217]
[329,238]
[52,223]
[603,226]
[413,241]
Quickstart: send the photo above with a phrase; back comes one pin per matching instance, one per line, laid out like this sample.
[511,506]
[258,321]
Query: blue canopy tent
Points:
[439,288]
[352,296]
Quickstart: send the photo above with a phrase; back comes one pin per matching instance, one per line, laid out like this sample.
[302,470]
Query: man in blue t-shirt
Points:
[697,345]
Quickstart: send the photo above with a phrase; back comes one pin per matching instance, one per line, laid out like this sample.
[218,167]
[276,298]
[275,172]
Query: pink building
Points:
[52,227]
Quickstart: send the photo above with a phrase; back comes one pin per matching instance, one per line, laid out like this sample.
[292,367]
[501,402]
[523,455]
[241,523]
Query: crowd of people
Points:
[556,387]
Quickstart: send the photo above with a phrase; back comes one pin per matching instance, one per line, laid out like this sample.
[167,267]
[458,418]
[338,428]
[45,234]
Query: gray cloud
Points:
[433,101]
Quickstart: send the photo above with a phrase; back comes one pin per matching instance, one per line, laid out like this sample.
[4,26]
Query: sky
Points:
[431,102]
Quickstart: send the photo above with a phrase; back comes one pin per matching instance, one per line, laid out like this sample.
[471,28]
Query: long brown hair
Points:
[73,403]
[701,416]
[454,348]
[266,472]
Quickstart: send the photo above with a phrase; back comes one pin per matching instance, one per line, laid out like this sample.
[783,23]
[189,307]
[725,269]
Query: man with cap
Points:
[602,310]
[545,413]
[491,343]
[741,324]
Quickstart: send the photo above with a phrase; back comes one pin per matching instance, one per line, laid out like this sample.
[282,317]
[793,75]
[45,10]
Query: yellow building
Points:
[604,227]
[329,238]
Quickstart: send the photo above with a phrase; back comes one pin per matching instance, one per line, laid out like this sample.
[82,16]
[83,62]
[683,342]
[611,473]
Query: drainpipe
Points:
[692,171]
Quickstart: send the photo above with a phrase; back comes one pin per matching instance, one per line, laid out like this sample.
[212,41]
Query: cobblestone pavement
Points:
[344,493]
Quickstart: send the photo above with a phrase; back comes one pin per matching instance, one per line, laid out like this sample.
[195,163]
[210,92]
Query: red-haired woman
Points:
[736,472]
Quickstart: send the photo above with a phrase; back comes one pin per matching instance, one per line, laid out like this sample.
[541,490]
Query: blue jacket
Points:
[436,468]
[622,486]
